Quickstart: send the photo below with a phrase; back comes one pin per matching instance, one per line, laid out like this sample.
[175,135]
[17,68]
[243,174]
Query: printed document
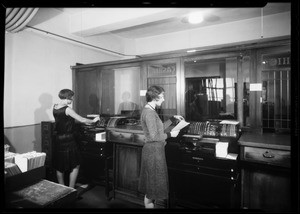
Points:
[180,125]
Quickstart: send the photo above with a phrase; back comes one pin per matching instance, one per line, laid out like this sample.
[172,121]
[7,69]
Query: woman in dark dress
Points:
[153,180]
[66,154]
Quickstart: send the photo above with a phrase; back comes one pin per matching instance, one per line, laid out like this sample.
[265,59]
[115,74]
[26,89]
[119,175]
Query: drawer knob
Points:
[268,154]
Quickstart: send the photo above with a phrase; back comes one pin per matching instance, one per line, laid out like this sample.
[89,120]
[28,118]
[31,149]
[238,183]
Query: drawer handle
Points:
[268,154]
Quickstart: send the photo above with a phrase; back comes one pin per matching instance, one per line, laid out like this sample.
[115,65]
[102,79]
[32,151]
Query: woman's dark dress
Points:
[153,180]
[66,155]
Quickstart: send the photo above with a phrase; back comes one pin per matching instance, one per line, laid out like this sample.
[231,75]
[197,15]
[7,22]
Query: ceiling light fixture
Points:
[195,18]
[191,51]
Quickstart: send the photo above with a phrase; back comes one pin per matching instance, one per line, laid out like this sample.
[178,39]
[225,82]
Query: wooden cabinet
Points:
[88,89]
[126,164]
[266,174]
[199,180]
[127,151]
[106,88]
[127,170]
[266,189]
[269,156]
[96,159]
[47,132]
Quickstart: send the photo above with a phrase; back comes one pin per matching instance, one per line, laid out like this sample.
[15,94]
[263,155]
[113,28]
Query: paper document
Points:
[100,137]
[221,149]
[93,115]
[233,122]
[180,125]
[232,156]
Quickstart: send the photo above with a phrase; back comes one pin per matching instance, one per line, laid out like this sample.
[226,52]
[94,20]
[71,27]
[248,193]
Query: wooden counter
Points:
[127,151]
[265,161]
[266,140]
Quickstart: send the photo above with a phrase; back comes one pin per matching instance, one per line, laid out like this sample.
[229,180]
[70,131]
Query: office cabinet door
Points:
[128,159]
[47,131]
[87,88]
[266,183]
[266,190]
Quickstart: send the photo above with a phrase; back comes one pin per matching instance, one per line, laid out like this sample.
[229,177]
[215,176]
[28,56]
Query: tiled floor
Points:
[94,197]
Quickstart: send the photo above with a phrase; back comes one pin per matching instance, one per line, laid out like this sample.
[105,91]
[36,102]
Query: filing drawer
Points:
[119,136]
[267,156]
[92,149]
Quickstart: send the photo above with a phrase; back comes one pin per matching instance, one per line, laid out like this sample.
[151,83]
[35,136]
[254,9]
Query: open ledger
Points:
[180,125]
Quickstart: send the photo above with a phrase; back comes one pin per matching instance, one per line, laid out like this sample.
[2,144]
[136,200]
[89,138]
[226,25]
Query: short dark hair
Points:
[65,94]
[153,92]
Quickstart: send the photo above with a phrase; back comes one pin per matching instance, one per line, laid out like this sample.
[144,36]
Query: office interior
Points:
[230,76]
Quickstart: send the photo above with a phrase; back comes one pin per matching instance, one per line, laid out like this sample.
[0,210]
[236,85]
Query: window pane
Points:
[209,95]
[120,91]
[164,75]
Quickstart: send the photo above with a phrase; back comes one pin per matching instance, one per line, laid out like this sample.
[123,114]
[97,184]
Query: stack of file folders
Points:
[30,160]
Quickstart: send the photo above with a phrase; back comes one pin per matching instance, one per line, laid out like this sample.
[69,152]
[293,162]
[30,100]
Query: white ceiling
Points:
[136,23]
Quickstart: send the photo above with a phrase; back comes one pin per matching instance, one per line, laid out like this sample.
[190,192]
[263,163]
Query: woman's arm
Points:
[150,120]
[72,113]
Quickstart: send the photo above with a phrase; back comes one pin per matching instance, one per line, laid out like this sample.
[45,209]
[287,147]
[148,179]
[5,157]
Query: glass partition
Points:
[121,91]
[246,91]
[163,73]
[211,89]
[276,101]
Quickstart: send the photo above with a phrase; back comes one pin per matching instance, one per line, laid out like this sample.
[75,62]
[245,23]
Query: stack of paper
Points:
[100,137]
[221,149]
[30,160]
[233,122]
[232,156]
[93,115]
[180,125]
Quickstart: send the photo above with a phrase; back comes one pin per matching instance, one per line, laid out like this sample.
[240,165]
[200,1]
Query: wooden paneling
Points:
[127,162]
[127,167]
[268,156]
[268,191]
[108,92]
[88,90]
[266,178]
[47,131]
[119,136]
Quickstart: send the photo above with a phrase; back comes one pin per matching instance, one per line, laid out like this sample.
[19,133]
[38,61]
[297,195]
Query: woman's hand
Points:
[96,119]
[178,117]
[174,133]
